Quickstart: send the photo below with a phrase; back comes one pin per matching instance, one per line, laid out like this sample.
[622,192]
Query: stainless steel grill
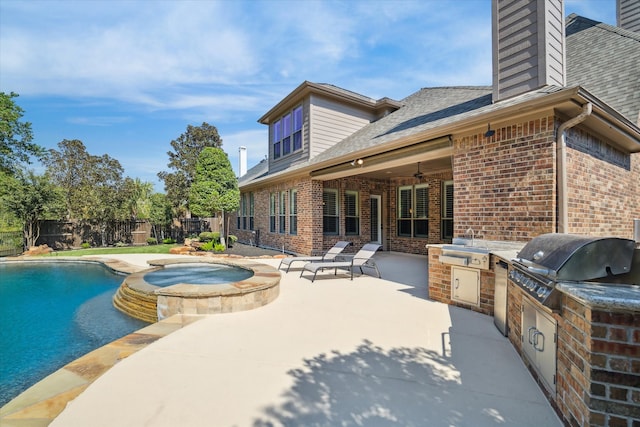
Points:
[550,258]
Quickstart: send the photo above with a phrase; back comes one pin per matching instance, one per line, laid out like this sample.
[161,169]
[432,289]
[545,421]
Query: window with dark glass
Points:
[330,211]
[351,213]
[413,211]
[447,210]
[293,211]
[282,212]
[273,204]
[239,215]
[250,211]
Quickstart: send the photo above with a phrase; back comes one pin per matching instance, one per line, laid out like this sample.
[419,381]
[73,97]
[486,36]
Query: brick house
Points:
[551,146]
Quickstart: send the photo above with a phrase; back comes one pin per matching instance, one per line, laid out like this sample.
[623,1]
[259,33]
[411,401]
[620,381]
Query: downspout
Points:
[561,165]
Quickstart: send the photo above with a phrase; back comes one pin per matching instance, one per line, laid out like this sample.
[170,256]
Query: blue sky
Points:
[127,77]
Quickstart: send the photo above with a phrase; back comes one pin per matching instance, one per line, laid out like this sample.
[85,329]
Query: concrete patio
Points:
[366,352]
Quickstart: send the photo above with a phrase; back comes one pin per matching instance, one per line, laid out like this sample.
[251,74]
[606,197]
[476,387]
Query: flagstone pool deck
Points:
[366,352]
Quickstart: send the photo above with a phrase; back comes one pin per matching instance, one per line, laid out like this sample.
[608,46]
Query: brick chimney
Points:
[628,14]
[528,46]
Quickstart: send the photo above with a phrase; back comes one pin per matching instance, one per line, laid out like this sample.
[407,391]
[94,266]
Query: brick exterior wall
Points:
[602,183]
[504,186]
[598,366]
[310,238]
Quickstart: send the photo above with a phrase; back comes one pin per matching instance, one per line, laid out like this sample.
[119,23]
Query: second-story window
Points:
[297,129]
[287,133]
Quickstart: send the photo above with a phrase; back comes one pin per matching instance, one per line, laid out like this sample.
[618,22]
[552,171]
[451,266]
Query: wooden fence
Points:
[11,243]
[72,234]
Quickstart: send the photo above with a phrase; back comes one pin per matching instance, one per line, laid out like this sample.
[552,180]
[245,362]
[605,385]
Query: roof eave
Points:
[568,101]
[308,87]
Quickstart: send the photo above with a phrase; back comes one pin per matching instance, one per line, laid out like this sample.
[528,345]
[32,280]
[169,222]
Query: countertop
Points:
[610,297]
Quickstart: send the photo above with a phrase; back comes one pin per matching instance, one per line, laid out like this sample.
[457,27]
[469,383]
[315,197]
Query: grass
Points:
[151,249]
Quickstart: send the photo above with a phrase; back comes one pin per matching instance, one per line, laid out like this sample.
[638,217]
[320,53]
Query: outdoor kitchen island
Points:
[584,351]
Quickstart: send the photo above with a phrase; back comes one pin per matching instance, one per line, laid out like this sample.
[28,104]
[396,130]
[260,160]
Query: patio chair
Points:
[330,255]
[361,259]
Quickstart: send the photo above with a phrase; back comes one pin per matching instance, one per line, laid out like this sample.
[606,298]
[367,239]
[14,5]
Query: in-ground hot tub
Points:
[258,286]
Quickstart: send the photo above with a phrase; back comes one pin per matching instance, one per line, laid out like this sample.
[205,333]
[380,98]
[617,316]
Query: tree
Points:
[215,188]
[182,161]
[91,184]
[107,202]
[15,136]
[137,198]
[69,168]
[160,214]
[31,198]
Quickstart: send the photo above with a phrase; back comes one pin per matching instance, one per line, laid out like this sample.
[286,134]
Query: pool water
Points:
[210,274]
[51,314]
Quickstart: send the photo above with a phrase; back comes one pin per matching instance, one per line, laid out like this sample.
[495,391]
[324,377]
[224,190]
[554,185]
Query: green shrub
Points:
[207,246]
[169,241]
[231,239]
[120,244]
[152,241]
[85,245]
[219,247]
[208,236]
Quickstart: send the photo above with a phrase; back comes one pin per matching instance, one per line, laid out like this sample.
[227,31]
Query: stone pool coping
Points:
[253,292]
[41,403]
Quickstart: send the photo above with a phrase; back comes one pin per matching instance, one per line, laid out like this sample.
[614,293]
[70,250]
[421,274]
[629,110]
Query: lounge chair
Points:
[330,255]
[361,259]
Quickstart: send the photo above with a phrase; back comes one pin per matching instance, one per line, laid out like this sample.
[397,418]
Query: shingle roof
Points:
[255,172]
[605,60]
[429,107]
[600,58]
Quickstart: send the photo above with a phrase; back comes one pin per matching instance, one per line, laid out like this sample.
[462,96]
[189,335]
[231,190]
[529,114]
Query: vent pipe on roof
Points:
[561,166]
[242,161]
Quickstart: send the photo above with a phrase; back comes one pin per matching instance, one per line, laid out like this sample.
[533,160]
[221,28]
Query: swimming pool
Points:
[51,313]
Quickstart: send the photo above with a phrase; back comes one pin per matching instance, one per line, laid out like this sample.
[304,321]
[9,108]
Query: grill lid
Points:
[574,257]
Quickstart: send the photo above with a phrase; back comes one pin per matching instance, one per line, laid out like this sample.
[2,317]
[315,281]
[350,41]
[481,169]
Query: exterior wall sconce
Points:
[490,132]
[358,162]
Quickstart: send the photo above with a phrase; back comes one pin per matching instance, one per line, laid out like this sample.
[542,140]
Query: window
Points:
[282,211]
[273,204]
[277,136]
[293,212]
[330,211]
[297,129]
[250,211]
[447,210]
[413,211]
[287,133]
[239,214]
[351,212]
